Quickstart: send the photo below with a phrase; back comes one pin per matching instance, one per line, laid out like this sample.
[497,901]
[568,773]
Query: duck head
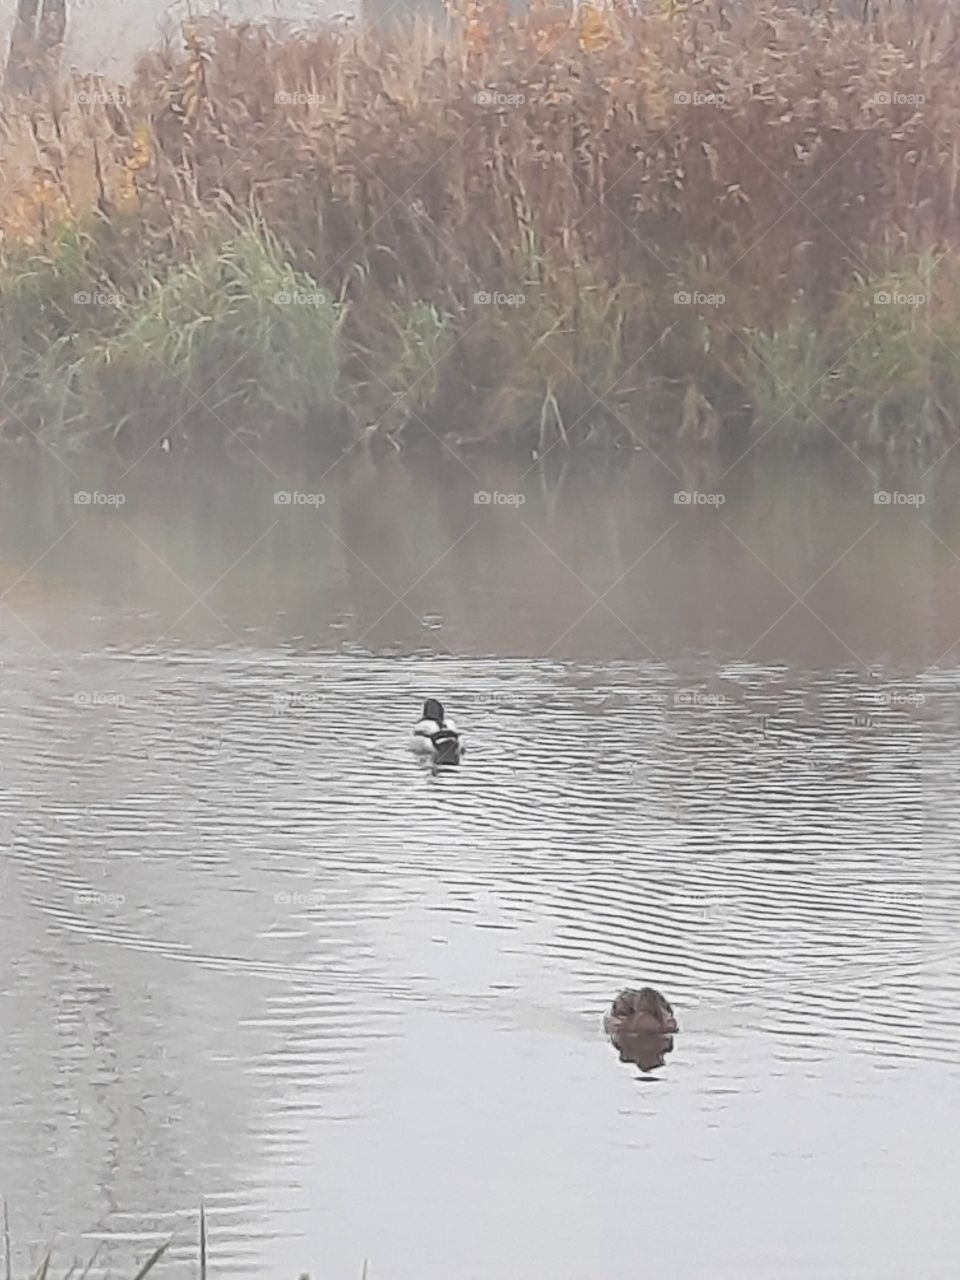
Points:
[645,1010]
[649,1000]
[433,710]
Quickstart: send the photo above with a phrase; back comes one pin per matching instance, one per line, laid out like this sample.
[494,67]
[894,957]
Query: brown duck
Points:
[639,1013]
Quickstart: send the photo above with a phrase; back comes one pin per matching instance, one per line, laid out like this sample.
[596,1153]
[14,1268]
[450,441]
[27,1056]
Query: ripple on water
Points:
[251,901]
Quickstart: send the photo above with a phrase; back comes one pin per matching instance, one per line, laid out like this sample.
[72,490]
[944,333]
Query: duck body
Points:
[643,1012]
[436,737]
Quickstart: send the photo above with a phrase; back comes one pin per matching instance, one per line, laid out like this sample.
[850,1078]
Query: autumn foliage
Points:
[692,218]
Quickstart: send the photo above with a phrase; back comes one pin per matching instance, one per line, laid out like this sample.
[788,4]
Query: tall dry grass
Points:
[585,171]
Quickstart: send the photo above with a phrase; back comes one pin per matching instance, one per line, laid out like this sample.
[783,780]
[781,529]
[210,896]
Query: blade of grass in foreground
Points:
[6,1241]
[203,1243]
[152,1261]
[93,1257]
[41,1271]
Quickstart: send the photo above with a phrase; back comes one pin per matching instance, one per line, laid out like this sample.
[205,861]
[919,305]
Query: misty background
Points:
[107,36]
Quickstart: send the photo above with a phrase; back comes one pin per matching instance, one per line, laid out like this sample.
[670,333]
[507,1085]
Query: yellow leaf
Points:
[594,33]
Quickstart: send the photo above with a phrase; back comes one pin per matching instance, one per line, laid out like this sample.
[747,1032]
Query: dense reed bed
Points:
[704,223]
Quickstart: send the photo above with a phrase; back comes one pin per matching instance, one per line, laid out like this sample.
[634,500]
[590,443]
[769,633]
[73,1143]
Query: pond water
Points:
[252,952]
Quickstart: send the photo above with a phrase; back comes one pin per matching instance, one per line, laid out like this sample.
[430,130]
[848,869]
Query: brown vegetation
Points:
[785,170]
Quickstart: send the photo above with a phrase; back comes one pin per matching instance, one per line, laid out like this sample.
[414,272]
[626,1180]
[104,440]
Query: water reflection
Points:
[648,1051]
[797,565]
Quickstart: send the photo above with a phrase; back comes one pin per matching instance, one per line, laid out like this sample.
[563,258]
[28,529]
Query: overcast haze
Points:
[104,35]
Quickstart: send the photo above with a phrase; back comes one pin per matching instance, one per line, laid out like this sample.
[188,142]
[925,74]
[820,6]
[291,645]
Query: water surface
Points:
[250,951]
